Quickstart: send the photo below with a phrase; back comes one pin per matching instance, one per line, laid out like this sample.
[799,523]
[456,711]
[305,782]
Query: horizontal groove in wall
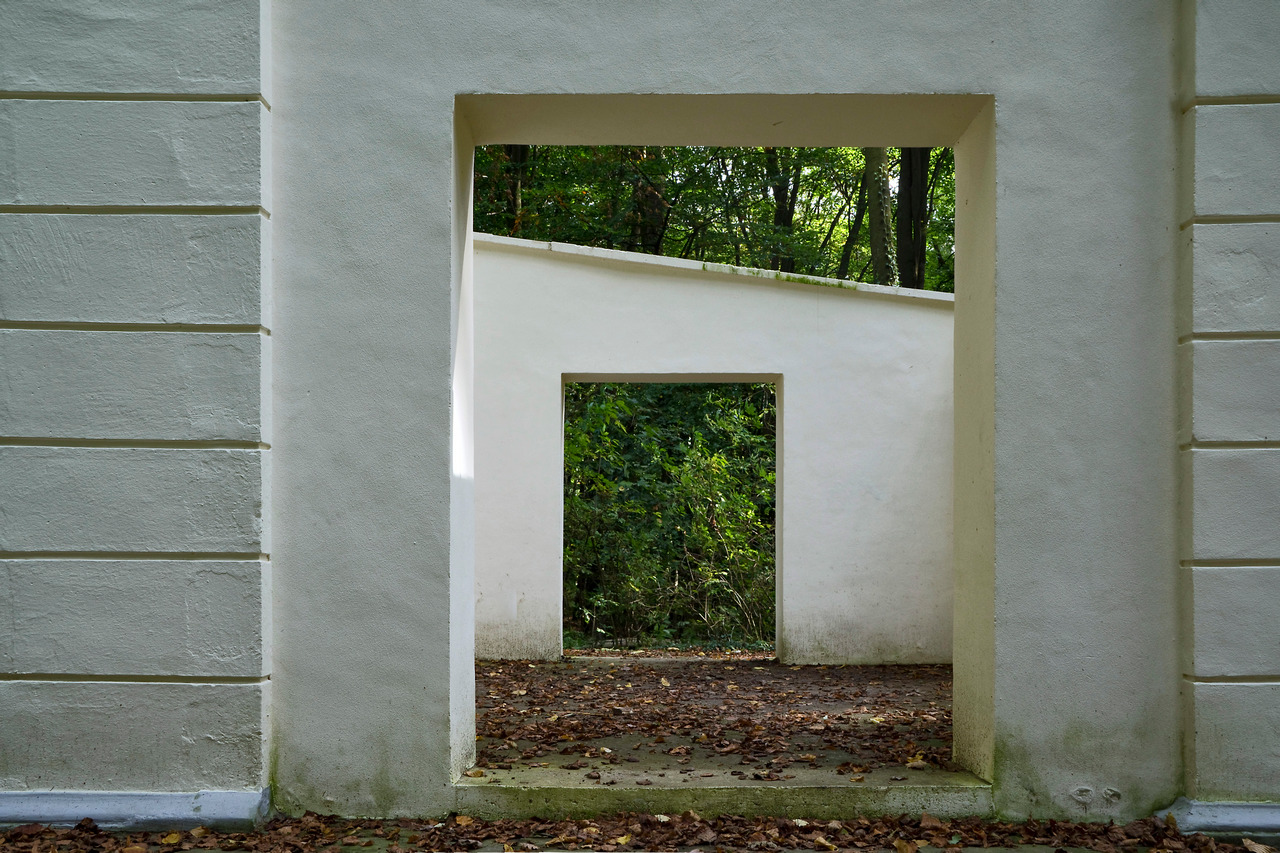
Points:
[1231,445]
[1233,679]
[1229,336]
[133,443]
[225,97]
[60,326]
[1229,101]
[141,209]
[194,556]
[1230,564]
[134,679]
[1230,219]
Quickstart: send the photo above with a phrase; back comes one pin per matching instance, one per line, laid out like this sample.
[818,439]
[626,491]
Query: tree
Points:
[813,211]
[912,215]
[883,269]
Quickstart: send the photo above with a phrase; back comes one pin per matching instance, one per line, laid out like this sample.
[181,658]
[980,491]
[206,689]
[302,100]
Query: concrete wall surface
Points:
[1229,343]
[1116,279]
[864,381]
[1067,140]
[135,415]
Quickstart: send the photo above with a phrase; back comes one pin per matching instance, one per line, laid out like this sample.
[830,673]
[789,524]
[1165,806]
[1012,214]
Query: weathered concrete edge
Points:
[1237,818]
[823,803]
[137,810]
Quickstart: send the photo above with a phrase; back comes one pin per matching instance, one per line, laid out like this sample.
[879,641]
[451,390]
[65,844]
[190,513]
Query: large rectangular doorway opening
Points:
[850,722]
[646,656]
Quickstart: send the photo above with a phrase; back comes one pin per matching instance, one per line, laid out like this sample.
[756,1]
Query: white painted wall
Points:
[1229,343]
[135,415]
[864,443]
[1066,138]
[1106,149]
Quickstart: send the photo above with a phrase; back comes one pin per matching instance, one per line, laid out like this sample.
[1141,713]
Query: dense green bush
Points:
[669,513]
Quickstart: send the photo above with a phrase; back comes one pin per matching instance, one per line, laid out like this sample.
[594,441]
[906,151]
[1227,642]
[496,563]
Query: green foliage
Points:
[669,489]
[669,512]
[788,209]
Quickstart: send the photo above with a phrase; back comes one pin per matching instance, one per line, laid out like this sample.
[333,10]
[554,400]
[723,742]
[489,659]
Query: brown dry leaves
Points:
[624,832]
[850,719]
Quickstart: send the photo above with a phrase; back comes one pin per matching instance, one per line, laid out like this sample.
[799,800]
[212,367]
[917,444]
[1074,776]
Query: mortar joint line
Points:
[1229,219]
[185,328]
[1229,101]
[138,556]
[1231,564]
[136,97]
[1261,444]
[76,678]
[1229,336]
[140,209]
[134,444]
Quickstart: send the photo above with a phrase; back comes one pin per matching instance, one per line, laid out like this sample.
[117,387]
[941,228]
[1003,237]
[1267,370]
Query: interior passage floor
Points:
[646,719]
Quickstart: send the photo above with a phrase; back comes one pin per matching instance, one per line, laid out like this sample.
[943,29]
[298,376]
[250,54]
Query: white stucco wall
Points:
[135,416]
[134,193]
[1229,348]
[864,382]
[1066,151]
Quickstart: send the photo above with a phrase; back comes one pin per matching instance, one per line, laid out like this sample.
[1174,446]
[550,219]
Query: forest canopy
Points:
[884,215]
[669,490]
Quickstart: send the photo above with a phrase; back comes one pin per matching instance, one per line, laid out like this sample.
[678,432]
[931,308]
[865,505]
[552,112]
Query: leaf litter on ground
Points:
[710,711]
[689,831]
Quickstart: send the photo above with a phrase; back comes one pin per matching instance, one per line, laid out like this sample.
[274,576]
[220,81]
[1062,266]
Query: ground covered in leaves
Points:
[733,715]
[627,832]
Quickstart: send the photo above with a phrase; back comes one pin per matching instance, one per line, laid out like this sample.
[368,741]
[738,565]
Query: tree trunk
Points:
[881,204]
[648,205]
[859,211]
[913,215]
[784,182]
[518,157]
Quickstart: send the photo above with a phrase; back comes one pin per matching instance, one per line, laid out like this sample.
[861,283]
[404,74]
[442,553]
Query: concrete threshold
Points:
[526,792]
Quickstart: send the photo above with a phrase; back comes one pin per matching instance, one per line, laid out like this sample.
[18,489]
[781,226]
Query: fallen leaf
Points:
[666,683]
[903,846]
[917,765]
[474,773]
[1254,847]
[822,842]
[133,848]
[464,820]
[621,839]
[171,838]
[928,821]
[199,832]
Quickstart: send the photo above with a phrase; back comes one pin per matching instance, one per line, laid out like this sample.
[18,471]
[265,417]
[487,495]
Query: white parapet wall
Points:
[864,380]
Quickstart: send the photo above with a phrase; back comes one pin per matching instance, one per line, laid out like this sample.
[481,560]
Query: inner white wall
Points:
[864,439]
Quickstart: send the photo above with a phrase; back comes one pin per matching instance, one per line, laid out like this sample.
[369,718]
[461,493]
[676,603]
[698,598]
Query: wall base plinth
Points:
[137,810]
[1238,819]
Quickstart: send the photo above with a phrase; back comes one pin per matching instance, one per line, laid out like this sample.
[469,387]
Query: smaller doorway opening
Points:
[670,507]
